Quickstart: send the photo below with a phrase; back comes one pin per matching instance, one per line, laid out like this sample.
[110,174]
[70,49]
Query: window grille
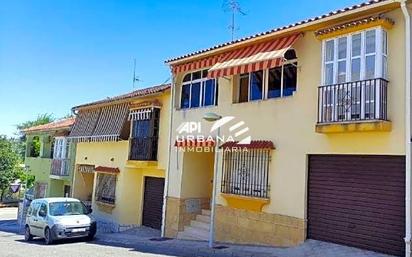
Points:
[246,172]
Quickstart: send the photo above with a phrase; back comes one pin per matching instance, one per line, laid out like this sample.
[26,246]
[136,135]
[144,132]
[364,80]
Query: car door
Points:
[42,219]
[32,218]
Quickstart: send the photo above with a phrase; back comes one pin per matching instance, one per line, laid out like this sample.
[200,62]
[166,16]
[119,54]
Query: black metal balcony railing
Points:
[353,101]
[143,149]
[60,167]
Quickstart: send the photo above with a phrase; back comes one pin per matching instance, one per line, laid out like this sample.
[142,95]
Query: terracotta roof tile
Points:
[59,124]
[137,93]
[107,169]
[353,7]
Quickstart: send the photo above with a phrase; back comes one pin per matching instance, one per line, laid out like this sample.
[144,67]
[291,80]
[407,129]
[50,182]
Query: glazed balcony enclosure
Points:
[143,141]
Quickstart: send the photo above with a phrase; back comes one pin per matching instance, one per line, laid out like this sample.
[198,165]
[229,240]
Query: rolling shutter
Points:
[358,201]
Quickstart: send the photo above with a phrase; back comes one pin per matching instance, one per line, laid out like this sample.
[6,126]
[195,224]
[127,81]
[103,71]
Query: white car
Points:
[58,218]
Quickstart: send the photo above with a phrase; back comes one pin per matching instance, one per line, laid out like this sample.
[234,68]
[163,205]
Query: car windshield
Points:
[67,208]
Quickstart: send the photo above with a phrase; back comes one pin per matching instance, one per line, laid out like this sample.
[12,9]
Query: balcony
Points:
[143,149]
[60,167]
[353,106]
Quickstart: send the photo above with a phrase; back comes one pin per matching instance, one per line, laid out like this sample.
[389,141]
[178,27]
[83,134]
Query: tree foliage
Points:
[40,120]
[21,144]
[9,165]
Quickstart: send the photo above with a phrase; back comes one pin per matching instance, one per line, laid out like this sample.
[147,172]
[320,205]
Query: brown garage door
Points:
[358,201]
[153,202]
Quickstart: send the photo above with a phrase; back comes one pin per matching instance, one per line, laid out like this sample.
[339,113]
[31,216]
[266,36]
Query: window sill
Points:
[245,202]
[196,108]
[140,164]
[266,99]
[106,207]
[353,126]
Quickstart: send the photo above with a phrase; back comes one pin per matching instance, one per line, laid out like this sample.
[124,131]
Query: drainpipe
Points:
[408,71]
[165,193]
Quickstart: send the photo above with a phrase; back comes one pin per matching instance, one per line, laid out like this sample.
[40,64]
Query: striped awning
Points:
[85,123]
[194,143]
[100,124]
[195,65]
[254,144]
[85,168]
[141,114]
[256,57]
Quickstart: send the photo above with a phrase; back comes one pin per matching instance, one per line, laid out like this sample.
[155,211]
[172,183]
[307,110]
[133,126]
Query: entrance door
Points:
[153,202]
[358,200]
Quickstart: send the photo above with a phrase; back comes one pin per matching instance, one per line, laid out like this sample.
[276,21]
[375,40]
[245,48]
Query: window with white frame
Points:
[354,76]
[271,83]
[358,56]
[61,148]
[198,90]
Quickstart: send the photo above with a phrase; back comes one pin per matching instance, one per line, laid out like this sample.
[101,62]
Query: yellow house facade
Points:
[121,158]
[311,137]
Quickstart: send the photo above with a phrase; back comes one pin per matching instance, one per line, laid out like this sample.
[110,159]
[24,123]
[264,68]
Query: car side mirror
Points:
[89,210]
[42,213]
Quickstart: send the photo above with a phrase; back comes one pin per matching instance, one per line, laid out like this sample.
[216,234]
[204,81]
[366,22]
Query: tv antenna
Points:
[233,6]
[136,79]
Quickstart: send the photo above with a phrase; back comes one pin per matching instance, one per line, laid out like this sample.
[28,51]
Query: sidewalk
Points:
[147,240]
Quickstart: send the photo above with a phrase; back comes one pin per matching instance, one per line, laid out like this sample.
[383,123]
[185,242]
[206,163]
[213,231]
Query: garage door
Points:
[153,202]
[358,201]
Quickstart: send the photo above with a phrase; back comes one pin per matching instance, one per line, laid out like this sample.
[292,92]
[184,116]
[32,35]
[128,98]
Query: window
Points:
[246,172]
[61,148]
[354,57]
[106,188]
[43,209]
[33,147]
[198,90]
[272,83]
[144,136]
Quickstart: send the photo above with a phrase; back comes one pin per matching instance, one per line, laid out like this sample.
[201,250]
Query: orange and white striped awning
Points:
[196,65]
[256,57]
[194,143]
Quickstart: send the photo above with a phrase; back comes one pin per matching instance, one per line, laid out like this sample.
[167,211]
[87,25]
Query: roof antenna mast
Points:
[233,6]
[135,78]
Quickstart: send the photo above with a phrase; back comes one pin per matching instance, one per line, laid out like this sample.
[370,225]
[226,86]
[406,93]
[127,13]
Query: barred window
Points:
[106,188]
[246,172]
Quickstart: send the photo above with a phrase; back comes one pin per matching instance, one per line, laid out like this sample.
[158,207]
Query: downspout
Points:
[166,191]
[407,126]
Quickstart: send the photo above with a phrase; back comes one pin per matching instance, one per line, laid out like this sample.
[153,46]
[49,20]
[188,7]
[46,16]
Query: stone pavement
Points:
[144,240]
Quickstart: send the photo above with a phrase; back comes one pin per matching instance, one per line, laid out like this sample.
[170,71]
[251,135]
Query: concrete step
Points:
[203,218]
[200,224]
[206,212]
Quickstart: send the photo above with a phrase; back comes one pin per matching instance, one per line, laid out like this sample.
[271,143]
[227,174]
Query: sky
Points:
[56,54]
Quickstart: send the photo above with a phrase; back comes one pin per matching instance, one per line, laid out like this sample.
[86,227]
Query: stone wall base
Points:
[247,227]
[111,226]
[179,215]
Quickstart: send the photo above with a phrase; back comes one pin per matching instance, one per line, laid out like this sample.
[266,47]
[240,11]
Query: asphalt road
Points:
[13,245]
[144,242]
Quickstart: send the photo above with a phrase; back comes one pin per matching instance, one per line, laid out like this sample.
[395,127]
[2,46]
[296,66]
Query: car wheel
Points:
[90,237]
[48,237]
[27,235]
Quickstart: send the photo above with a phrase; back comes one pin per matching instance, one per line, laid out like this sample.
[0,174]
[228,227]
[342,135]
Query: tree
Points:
[9,165]
[40,120]
[21,144]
